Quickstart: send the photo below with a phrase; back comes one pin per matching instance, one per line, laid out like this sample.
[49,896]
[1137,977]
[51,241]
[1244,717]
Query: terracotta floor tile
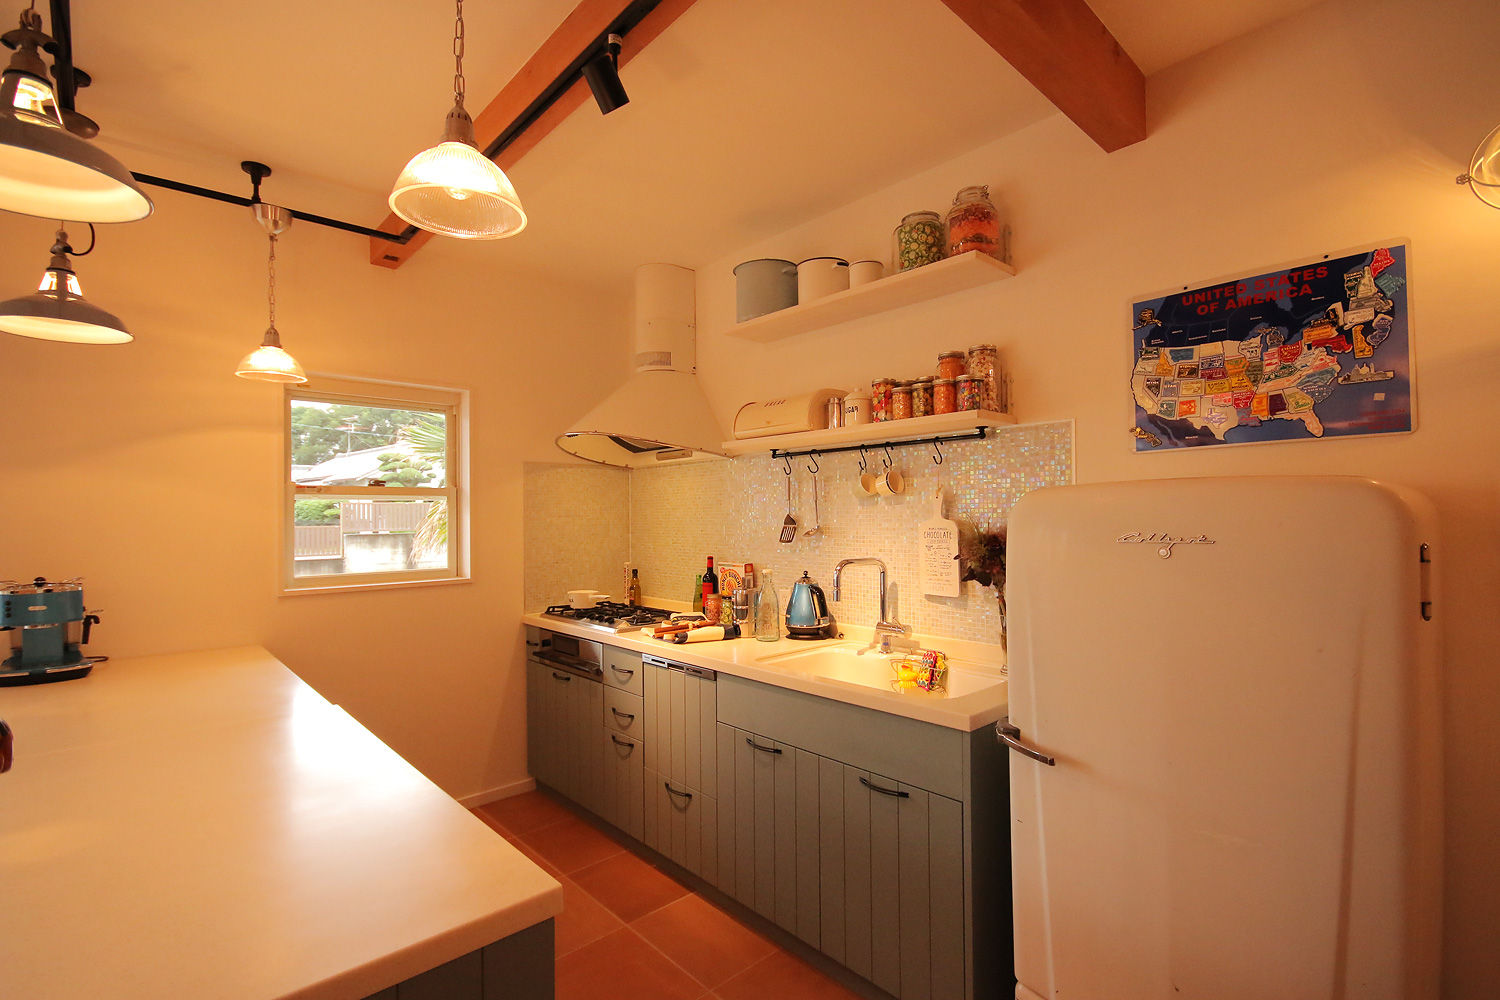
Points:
[711,945]
[583,920]
[524,813]
[628,886]
[785,977]
[620,966]
[570,844]
[541,862]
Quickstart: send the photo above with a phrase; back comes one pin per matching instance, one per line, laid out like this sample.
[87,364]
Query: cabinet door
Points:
[547,736]
[681,717]
[683,823]
[585,708]
[624,789]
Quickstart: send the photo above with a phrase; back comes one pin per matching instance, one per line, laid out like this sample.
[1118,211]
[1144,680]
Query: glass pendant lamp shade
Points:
[270,363]
[45,170]
[455,190]
[58,311]
[1483,177]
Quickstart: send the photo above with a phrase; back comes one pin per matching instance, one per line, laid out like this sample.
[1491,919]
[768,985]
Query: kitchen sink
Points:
[852,663]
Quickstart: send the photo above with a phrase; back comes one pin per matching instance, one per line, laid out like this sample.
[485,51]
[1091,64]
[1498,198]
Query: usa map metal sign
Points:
[1322,349]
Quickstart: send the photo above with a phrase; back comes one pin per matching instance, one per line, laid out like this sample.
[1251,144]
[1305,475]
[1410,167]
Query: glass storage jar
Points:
[880,399]
[900,401]
[918,240]
[944,395]
[921,396]
[982,364]
[973,223]
[968,392]
[952,364]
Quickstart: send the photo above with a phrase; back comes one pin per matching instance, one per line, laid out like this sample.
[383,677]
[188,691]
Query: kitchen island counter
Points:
[207,825]
[766,662]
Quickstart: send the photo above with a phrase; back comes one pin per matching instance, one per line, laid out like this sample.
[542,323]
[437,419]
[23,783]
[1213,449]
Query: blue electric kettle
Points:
[807,615]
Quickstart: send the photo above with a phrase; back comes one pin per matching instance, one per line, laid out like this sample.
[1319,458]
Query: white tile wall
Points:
[576,530]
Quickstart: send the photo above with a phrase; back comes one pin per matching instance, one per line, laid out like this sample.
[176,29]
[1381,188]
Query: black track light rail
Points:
[628,18]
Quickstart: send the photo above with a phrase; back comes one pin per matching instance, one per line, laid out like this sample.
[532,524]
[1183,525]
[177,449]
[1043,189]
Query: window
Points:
[374,490]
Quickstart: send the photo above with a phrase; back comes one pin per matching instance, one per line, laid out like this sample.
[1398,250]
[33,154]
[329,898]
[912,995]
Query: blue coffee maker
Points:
[41,616]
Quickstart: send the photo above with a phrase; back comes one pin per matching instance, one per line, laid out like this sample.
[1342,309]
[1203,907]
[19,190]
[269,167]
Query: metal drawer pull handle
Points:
[1007,734]
[672,791]
[622,743]
[7,747]
[622,715]
[895,792]
[561,677]
[761,748]
[623,671]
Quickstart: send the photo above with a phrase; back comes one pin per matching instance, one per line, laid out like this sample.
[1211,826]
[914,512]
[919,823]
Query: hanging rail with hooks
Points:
[977,434]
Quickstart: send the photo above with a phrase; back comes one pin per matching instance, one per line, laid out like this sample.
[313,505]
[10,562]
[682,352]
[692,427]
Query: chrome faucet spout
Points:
[885,627]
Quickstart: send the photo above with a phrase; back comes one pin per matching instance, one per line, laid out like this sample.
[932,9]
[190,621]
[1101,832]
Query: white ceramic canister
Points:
[820,276]
[763,286]
[862,272]
[856,408]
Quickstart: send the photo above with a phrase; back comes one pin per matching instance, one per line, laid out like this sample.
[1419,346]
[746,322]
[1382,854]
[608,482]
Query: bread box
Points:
[788,415]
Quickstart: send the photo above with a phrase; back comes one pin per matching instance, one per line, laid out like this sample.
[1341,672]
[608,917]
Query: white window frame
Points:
[396,395]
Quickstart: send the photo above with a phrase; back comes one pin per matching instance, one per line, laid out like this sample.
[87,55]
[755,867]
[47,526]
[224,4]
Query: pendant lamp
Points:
[45,170]
[58,311]
[270,362]
[1483,176]
[453,189]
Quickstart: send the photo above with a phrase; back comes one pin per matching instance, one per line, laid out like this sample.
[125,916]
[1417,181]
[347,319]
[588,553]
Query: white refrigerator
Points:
[1236,684]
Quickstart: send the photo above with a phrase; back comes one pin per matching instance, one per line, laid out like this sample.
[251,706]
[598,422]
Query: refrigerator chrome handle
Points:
[1007,733]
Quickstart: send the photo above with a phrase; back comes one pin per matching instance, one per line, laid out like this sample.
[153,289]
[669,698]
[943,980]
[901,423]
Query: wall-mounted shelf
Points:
[937,425]
[956,274]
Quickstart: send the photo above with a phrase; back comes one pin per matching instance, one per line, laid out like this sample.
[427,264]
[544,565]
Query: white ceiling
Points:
[745,118]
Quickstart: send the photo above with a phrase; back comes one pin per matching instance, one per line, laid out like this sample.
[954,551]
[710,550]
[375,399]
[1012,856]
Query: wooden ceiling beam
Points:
[1068,54]
[582,28]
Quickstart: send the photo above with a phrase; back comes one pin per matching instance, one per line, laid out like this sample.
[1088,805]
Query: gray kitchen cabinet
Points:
[563,720]
[680,704]
[624,782]
[622,669]
[682,823]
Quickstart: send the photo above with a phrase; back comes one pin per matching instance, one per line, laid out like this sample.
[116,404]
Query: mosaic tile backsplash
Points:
[576,531]
[733,510]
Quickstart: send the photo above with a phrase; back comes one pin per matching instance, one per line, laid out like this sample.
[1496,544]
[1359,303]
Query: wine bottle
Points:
[698,593]
[633,595]
[710,578]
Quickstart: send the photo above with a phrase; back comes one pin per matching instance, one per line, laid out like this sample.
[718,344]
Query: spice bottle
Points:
[973,223]
[982,364]
[880,398]
[944,395]
[919,240]
[952,364]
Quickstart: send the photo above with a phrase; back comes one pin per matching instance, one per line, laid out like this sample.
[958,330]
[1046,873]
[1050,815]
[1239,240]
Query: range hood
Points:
[660,415]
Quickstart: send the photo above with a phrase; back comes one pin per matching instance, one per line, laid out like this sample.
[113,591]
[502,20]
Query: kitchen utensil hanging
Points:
[817,528]
[789,525]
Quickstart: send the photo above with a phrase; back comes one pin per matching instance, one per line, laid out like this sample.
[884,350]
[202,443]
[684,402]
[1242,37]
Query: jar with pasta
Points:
[880,399]
[982,364]
[921,396]
[901,401]
[952,364]
[973,223]
[969,392]
[918,240]
[944,395]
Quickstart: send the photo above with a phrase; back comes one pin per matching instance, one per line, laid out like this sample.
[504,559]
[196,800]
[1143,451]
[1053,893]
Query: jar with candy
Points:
[969,392]
[982,364]
[973,223]
[921,396]
[880,398]
[919,240]
[900,401]
[944,395]
[952,364]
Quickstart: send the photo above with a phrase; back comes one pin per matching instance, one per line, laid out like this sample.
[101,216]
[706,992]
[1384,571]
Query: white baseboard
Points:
[495,794]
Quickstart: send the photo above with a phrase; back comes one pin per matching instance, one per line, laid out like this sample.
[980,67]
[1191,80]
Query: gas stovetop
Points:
[609,616]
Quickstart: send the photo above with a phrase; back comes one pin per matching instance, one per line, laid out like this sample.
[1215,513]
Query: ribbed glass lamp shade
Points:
[58,311]
[1484,170]
[49,172]
[455,190]
[269,363]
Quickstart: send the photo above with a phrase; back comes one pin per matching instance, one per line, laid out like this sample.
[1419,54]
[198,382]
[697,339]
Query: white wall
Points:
[1340,127]
[153,472]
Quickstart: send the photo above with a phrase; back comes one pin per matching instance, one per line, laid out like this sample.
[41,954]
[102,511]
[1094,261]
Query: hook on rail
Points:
[864,464]
[887,459]
[937,457]
[813,468]
[788,460]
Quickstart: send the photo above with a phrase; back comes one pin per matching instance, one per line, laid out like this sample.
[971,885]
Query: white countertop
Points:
[207,825]
[741,658]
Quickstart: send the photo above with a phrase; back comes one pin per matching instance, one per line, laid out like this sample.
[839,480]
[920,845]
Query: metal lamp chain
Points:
[458,55]
[271,287]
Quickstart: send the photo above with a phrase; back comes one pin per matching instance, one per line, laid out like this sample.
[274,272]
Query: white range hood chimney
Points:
[659,415]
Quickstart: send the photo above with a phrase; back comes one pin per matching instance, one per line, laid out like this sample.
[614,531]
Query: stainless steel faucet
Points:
[886,626]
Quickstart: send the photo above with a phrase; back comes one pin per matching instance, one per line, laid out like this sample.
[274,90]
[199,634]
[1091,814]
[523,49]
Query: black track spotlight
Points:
[603,75]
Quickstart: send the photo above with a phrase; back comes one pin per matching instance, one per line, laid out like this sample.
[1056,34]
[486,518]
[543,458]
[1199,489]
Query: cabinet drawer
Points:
[622,669]
[624,792]
[683,823]
[623,712]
